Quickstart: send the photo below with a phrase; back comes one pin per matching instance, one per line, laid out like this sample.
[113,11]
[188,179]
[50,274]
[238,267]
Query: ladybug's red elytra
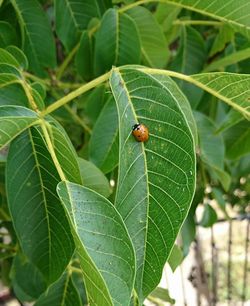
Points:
[140,132]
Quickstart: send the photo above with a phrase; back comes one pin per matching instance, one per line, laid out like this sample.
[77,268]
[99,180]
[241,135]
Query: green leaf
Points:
[226,35]
[209,141]
[37,39]
[103,147]
[229,60]
[7,58]
[117,42]
[209,216]
[166,14]
[78,281]
[13,121]
[104,248]
[7,69]
[156,179]
[232,118]
[236,13]
[7,79]
[19,56]
[188,230]
[153,43]
[170,25]
[61,293]
[175,257]
[222,176]
[73,16]
[190,59]
[84,57]
[182,102]
[237,140]
[95,102]
[162,294]
[27,280]
[231,88]
[93,178]
[218,196]
[65,153]
[37,214]
[12,94]
[40,89]
[7,34]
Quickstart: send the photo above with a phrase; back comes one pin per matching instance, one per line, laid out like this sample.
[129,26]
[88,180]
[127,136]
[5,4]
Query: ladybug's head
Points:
[136,126]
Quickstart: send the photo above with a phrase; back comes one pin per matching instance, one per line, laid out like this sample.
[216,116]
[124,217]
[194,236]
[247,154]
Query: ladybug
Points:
[140,132]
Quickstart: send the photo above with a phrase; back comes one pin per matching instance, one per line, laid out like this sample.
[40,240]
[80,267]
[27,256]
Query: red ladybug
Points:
[140,132]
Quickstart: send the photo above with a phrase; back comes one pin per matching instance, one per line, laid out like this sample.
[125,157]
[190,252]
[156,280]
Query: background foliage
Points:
[87,213]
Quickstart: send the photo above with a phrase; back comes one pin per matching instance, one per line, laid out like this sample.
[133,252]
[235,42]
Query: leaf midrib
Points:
[43,195]
[146,172]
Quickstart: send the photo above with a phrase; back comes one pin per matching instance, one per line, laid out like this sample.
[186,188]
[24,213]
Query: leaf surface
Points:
[104,146]
[37,39]
[61,293]
[235,13]
[157,178]
[232,88]
[27,280]
[153,43]
[93,178]
[117,42]
[37,214]
[13,121]
[104,248]
[73,16]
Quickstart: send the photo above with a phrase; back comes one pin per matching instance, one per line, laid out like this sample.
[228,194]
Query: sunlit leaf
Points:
[231,88]
[156,179]
[236,13]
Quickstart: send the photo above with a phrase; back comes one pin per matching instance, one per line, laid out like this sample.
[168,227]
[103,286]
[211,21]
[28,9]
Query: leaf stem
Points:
[74,94]
[36,78]
[66,61]
[74,269]
[27,90]
[197,22]
[43,124]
